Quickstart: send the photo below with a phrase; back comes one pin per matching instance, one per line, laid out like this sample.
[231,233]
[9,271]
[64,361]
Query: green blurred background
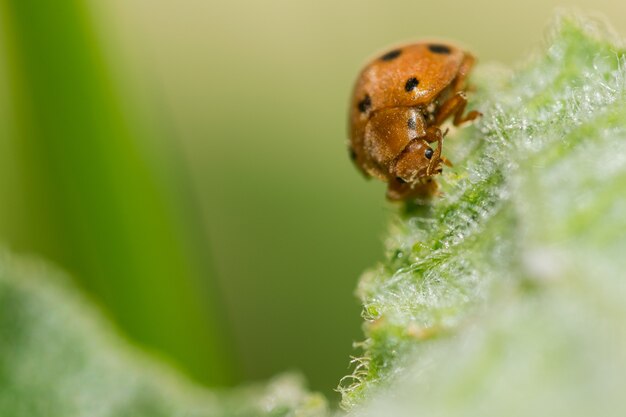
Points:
[186,162]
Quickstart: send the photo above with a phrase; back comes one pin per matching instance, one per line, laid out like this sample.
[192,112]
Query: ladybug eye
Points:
[411,83]
[429,153]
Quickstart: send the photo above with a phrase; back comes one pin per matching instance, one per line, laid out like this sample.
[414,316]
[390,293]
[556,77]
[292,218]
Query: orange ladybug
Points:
[399,102]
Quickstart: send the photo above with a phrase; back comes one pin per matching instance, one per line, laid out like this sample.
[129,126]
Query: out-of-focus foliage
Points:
[505,296]
[91,197]
[59,358]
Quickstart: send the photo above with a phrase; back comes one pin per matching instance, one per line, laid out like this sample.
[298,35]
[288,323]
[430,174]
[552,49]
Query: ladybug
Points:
[399,102]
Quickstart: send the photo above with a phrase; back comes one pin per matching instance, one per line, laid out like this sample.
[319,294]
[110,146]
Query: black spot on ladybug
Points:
[365,104]
[400,180]
[411,83]
[352,154]
[411,123]
[429,153]
[391,55]
[439,49]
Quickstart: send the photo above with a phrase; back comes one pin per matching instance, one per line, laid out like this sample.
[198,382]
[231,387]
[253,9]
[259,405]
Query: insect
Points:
[399,102]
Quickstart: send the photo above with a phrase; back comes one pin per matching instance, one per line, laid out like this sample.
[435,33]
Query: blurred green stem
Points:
[94,202]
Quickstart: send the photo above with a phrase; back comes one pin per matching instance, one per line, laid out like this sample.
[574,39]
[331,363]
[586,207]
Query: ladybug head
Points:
[419,160]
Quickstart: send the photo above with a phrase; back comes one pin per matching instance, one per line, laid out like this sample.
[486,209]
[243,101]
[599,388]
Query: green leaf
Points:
[58,357]
[505,296]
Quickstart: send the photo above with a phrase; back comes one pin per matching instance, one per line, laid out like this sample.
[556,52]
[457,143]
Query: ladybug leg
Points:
[464,70]
[446,161]
[433,134]
[455,105]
